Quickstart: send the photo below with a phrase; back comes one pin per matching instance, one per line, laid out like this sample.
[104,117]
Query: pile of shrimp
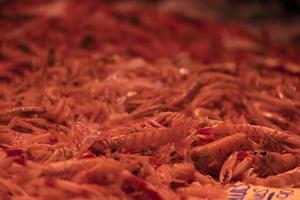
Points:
[77,123]
[116,128]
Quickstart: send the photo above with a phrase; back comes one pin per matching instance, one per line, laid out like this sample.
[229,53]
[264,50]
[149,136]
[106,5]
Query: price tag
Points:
[243,191]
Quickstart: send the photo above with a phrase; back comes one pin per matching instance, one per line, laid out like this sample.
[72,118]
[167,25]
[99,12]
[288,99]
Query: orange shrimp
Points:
[290,178]
[147,138]
[183,172]
[213,153]
[204,179]
[263,162]
[267,138]
[68,168]
[24,110]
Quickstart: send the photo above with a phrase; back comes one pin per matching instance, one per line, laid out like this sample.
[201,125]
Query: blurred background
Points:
[209,30]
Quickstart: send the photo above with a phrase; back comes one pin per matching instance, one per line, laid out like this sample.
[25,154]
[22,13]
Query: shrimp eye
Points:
[137,170]
[263,153]
[173,153]
[113,149]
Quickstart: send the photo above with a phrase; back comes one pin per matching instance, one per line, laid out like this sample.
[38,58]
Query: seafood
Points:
[198,191]
[211,154]
[262,162]
[183,172]
[204,179]
[148,138]
[9,187]
[286,179]
[67,169]
[268,138]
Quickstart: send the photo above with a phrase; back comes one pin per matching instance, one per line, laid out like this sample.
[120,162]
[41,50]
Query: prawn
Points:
[21,125]
[60,111]
[148,138]
[23,110]
[198,191]
[68,168]
[28,110]
[60,153]
[181,172]
[266,163]
[166,119]
[105,173]
[213,153]
[204,179]
[148,111]
[268,138]
[290,178]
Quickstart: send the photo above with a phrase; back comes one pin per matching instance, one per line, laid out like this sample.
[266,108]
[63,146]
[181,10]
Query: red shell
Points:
[14,152]
[242,155]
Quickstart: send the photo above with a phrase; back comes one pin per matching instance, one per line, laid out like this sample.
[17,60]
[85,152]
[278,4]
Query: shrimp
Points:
[105,173]
[263,162]
[21,125]
[148,111]
[68,168]
[60,111]
[231,169]
[204,179]
[28,110]
[166,119]
[275,163]
[187,97]
[290,178]
[9,187]
[183,172]
[48,153]
[267,138]
[24,110]
[148,138]
[199,191]
[60,153]
[213,153]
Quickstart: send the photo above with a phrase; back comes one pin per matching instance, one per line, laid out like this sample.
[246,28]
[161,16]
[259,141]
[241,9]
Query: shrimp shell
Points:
[270,138]
[287,179]
[28,109]
[204,155]
[204,179]
[104,173]
[181,171]
[266,163]
[231,169]
[147,138]
[275,163]
[67,169]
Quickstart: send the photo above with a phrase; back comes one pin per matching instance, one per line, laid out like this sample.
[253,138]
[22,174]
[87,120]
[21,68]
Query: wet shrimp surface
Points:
[91,115]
